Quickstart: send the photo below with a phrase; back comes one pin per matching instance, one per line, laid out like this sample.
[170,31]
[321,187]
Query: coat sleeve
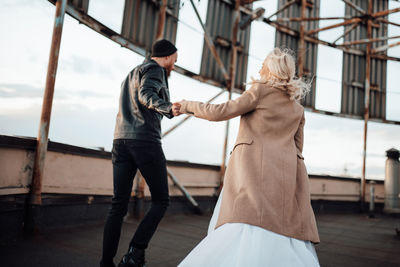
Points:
[299,136]
[149,88]
[219,112]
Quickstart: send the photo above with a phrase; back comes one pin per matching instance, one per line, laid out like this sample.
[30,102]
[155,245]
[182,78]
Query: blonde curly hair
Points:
[278,71]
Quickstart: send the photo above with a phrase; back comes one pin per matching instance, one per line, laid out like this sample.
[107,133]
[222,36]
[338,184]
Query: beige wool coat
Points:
[266,183]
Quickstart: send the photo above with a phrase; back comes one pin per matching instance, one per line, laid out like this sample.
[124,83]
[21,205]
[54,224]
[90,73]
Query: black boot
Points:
[134,258]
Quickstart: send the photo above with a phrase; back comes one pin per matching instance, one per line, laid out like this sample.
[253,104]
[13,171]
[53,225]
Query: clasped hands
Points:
[176,107]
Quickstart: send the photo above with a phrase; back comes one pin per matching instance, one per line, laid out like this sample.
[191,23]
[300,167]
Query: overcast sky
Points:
[91,69]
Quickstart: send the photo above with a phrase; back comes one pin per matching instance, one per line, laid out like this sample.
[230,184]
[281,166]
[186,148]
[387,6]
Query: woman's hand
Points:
[176,109]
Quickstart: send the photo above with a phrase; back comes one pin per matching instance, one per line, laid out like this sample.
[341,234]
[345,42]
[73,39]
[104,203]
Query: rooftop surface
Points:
[346,240]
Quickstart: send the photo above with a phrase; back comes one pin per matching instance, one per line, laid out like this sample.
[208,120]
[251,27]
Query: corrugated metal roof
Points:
[354,68]
[141,18]
[219,25]
[311,50]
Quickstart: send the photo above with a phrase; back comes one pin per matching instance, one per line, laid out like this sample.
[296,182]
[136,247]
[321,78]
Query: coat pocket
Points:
[241,141]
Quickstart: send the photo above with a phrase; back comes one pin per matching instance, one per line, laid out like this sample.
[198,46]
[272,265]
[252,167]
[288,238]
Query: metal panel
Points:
[353,78]
[82,5]
[219,24]
[378,69]
[311,50]
[141,19]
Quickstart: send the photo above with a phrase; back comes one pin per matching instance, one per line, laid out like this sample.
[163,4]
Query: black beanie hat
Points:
[163,48]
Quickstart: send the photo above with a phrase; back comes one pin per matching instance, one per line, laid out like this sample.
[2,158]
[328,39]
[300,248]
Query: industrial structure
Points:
[225,55]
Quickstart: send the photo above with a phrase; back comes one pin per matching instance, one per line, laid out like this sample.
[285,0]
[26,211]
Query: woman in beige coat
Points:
[263,216]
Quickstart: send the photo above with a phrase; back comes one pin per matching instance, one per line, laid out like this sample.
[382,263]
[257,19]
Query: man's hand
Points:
[176,109]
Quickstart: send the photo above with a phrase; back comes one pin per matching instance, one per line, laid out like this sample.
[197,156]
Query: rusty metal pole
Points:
[369,40]
[42,139]
[366,104]
[354,6]
[344,23]
[298,19]
[285,6]
[302,45]
[43,135]
[352,27]
[384,47]
[161,20]
[231,86]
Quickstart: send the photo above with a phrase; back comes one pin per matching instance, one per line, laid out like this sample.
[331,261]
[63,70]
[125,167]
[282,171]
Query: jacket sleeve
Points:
[149,88]
[299,136]
[219,112]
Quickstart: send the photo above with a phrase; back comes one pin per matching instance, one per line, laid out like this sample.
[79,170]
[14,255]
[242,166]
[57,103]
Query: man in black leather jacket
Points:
[144,100]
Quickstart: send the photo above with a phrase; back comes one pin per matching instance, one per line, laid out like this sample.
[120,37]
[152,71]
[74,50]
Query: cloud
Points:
[86,66]
[70,124]
[20,90]
[18,4]
[15,90]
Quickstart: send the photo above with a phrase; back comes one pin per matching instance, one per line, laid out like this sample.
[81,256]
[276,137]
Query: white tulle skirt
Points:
[244,245]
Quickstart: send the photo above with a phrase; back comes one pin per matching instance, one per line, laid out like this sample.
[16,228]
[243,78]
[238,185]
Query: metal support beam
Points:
[295,33]
[385,57]
[232,74]
[43,136]
[184,191]
[202,79]
[310,39]
[352,5]
[385,12]
[161,20]
[384,47]
[346,32]
[349,116]
[307,19]
[211,45]
[288,4]
[369,40]
[280,27]
[349,50]
[346,22]
[367,102]
[388,22]
[188,116]
[302,43]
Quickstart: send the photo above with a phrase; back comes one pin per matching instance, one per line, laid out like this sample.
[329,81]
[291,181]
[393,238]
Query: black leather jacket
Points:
[143,102]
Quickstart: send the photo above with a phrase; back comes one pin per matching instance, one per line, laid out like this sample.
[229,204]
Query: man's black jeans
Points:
[128,156]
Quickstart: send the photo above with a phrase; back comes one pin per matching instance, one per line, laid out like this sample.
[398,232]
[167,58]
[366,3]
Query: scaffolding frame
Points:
[367,18]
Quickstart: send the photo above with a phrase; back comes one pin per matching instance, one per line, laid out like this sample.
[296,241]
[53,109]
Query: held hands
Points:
[176,109]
